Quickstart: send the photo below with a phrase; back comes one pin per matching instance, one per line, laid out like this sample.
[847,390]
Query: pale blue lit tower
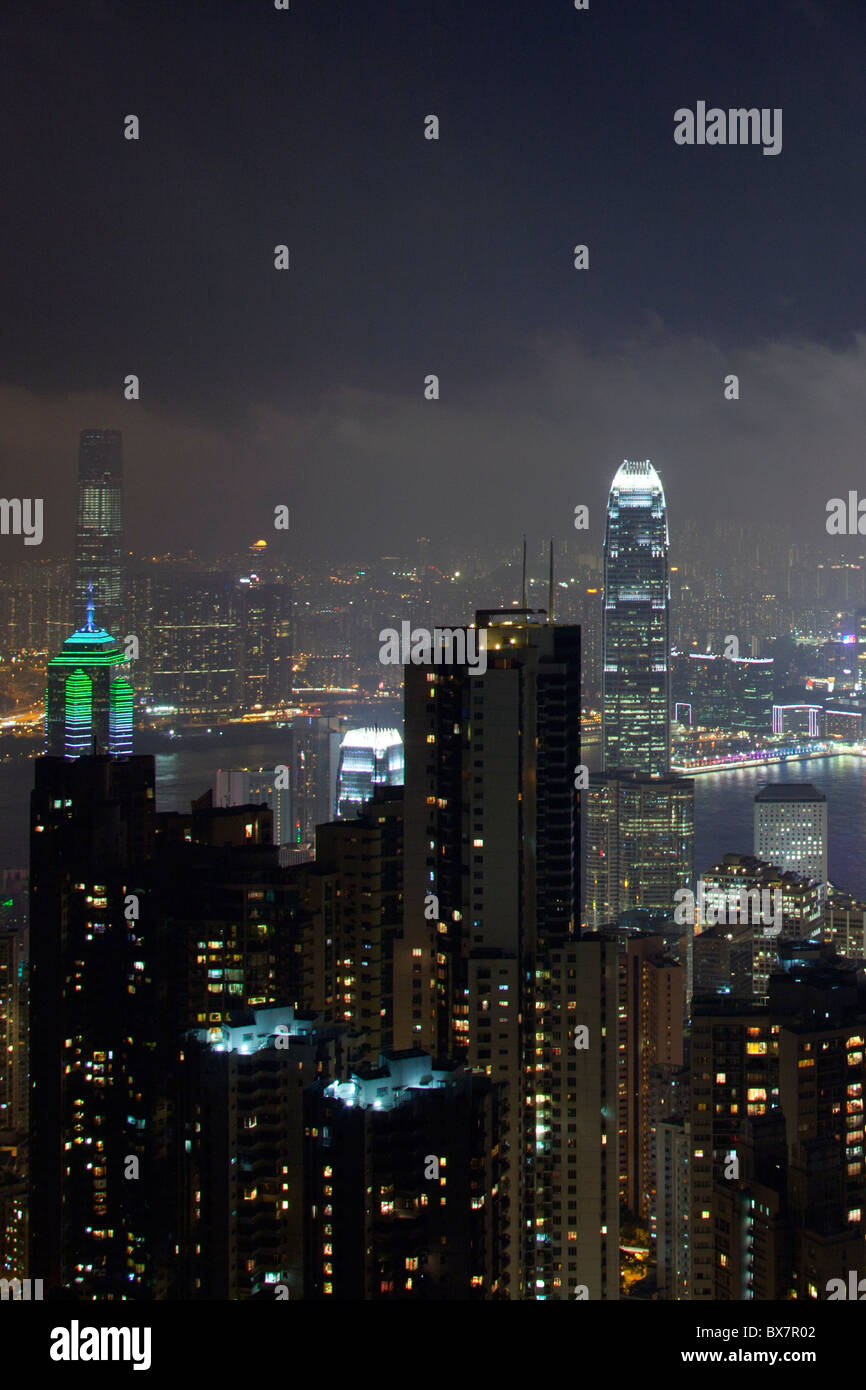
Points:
[368,758]
[636,642]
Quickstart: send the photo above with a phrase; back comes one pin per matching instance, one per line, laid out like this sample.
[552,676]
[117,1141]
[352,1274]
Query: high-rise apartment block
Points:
[490,884]
[93,1025]
[405,1178]
[777,1168]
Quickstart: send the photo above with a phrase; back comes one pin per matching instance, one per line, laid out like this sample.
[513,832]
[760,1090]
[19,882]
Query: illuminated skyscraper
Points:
[636,676]
[639,844]
[99,529]
[791,828]
[265,613]
[368,758]
[193,640]
[89,700]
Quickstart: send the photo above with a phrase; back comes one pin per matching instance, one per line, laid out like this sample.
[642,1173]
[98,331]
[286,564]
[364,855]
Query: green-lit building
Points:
[89,700]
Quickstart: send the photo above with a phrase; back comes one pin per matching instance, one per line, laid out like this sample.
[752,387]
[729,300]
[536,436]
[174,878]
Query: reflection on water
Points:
[180,777]
[724,812]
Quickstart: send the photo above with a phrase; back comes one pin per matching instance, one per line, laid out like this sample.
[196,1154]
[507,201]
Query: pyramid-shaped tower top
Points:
[89,644]
[636,475]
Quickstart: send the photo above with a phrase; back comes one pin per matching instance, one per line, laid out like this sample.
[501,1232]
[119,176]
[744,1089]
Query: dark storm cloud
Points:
[366,472]
[410,257]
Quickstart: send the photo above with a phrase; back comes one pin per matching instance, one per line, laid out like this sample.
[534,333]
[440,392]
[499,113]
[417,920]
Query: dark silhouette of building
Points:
[404,1170]
[93,1029]
[777,1172]
[491,884]
[99,557]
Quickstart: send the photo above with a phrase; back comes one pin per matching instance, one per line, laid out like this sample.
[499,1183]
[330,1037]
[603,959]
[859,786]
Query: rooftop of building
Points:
[253,1030]
[636,475]
[749,866]
[789,791]
[398,1075]
[371,738]
[89,645]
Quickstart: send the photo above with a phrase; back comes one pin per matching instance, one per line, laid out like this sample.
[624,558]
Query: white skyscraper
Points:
[791,828]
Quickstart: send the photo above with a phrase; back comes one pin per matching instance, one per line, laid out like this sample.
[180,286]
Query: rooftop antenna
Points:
[89,625]
[524,571]
[550,588]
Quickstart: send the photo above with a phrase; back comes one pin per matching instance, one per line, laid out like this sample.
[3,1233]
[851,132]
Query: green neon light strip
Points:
[79,713]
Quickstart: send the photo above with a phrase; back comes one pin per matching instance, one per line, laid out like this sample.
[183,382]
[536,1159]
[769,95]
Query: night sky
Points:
[410,257]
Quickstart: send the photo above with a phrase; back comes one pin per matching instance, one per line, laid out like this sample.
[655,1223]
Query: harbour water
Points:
[724,801]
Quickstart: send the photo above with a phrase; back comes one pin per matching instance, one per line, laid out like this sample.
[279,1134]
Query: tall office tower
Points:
[352,914]
[93,1026]
[791,828]
[99,557]
[636,674]
[266,625]
[89,698]
[490,879]
[405,1183]
[777,1175]
[316,755]
[193,643]
[654,1052]
[368,758]
[241,787]
[240,1136]
[639,844]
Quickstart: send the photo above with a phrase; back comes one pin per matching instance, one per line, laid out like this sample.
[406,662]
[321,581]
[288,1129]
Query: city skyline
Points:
[433,671]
